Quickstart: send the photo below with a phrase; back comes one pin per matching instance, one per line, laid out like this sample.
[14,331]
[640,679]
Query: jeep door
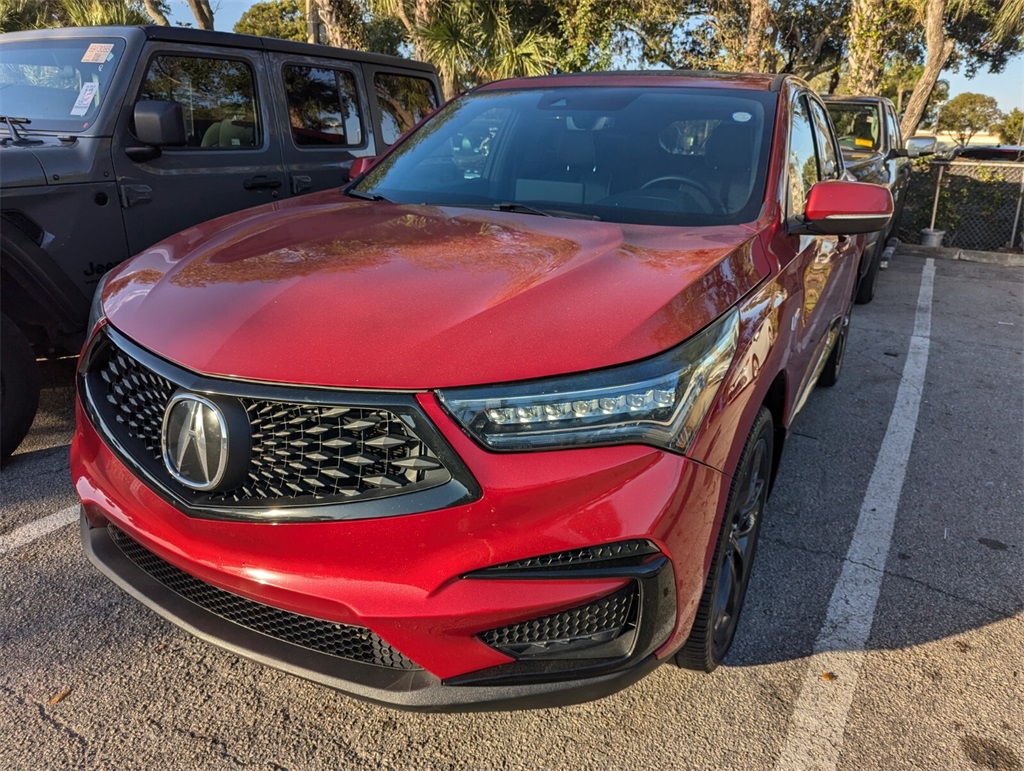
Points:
[323,103]
[232,156]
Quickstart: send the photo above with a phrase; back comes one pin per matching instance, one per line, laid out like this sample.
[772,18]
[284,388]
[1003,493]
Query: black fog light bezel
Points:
[652,616]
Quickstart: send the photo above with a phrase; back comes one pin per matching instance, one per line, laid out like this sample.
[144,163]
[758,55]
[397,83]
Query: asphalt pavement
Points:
[884,626]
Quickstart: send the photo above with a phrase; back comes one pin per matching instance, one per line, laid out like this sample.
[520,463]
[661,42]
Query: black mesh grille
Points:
[610,613]
[582,558]
[348,642]
[300,453]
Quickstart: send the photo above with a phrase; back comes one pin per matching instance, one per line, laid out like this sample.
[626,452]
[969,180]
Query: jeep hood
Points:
[330,292]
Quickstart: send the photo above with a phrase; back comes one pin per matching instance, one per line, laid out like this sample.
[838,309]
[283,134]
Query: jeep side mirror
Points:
[918,146]
[160,123]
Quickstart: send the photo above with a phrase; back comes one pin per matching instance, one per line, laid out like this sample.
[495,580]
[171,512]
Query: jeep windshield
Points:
[645,155]
[57,84]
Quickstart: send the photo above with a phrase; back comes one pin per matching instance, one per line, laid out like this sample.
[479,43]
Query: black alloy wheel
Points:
[726,587]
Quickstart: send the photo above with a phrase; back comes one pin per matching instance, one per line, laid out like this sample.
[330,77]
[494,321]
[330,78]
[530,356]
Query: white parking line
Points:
[818,725]
[28,533]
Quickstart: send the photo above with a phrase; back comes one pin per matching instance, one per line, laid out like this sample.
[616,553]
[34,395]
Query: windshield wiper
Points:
[366,196]
[522,208]
[16,137]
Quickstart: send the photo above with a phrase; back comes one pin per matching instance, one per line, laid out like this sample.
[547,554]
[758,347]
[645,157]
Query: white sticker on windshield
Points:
[97,53]
[741,117]
[85,97]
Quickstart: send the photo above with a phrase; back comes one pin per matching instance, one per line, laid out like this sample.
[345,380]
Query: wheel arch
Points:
[775,399]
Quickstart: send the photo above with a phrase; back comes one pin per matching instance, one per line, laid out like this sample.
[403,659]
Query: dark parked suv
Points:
[114,138]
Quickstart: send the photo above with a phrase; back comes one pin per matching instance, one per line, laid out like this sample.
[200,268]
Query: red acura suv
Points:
[494,425]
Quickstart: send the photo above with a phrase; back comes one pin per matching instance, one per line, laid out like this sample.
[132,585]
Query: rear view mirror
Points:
[840,208]
[160,123]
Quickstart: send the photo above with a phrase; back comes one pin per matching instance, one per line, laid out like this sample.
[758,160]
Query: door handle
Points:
[261,182]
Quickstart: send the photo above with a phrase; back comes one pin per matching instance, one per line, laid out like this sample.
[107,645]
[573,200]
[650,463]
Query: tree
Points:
[39,14]
[867,46]
[967,114]
[1011,130]
[282,19]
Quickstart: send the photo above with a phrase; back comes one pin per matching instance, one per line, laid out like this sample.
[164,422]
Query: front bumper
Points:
[420,581]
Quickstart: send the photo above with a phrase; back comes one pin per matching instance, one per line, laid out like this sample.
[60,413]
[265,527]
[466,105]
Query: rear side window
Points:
[403,101]
[323,106]
[217,96]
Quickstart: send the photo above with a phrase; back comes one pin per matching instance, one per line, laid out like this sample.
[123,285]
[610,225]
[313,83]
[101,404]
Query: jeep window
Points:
[58,85]
[404,101]
[323,106]
[648,155]
[802,163]
[857,126]
[217,96]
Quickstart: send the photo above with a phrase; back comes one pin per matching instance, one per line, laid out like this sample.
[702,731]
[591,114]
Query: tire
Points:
[866,285]
[726,586]
[834,365]
[19,387]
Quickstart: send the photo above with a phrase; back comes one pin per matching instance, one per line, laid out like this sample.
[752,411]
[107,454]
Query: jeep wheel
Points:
[866,286]
[19,387]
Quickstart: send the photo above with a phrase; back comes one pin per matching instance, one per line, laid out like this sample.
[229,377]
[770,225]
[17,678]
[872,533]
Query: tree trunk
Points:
[156,13]
[866,50]
[203,13]
[938,52]
[757,34]
[342,22]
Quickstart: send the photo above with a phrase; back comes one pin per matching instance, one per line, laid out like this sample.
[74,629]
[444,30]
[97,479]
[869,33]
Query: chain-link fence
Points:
[979,204]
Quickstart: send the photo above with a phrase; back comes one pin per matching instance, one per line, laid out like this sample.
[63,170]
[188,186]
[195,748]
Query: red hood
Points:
[372,295]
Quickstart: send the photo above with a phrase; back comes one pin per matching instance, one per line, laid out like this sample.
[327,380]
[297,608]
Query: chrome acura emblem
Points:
[195,441]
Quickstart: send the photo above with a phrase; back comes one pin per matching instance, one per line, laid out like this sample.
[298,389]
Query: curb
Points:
[1006,259]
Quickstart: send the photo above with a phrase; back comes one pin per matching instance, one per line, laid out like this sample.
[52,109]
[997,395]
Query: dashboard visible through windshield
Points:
[649,155]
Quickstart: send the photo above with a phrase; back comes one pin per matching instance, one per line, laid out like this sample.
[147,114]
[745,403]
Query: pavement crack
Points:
[998,613]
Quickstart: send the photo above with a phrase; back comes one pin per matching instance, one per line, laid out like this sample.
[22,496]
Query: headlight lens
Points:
[660,401]
[96,314]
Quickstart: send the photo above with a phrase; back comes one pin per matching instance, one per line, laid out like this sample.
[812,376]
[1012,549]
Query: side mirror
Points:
[918,146]
[160,123]
[361,166]
[839,208]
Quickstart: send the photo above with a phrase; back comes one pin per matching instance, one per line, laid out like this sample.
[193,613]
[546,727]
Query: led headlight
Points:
[96,314]
[659,401]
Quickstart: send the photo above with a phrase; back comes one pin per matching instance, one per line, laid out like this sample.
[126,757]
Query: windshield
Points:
[857,126]
[58,85]
[667,156]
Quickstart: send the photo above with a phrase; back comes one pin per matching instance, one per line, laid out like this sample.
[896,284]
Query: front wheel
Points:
[726,586]
[19,387]
[868,282]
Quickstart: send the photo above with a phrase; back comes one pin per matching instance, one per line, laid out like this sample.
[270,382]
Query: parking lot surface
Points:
[884,625]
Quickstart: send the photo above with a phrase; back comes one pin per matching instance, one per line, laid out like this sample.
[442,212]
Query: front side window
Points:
[645,155]
[802,164]
[217,96]
[323,107]
[404,101]
[56,85]
[895,140]
[826,146]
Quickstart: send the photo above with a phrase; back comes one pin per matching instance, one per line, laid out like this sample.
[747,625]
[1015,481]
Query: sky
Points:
[1007,87]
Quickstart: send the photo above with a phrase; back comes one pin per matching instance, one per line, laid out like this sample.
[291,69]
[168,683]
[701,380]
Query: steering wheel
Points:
[705,200]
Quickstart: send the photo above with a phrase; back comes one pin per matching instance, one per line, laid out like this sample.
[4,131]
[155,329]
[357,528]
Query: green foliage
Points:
[39,14]
[282,19]
[1011,130]
[968,114]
